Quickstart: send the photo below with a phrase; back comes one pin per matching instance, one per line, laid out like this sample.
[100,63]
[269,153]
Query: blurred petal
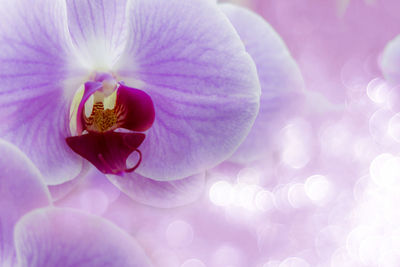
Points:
[390,62]
[35,93]
[97,30]
[60,191]
[54,236]
[22,189]
[160,194]
[280,79]
[188,58]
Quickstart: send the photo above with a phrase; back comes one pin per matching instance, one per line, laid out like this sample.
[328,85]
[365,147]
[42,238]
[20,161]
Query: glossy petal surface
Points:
[97,30]
[22,189]
[37,86]
[66,237]
[160,194]
[390,62]
[189,59]
[279,75]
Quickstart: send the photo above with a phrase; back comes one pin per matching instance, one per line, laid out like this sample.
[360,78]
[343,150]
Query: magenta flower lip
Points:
[107,151]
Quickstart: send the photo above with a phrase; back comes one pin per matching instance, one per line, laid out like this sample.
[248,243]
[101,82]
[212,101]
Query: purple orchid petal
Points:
[22,190]
[37,85]
[280,79]
[97,30]
[60,191]
[65,237]
[160,194]
[189,59]
[390,62]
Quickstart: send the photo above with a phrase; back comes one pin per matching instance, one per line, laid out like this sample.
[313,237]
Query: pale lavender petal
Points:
[189,59]
[160,194]
[60,191]
[67,237]
[22,189]
[35,85]
[97,30]
[390,62]
[280,79]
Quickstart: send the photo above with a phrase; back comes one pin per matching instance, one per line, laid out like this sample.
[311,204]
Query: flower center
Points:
[104,119]
[101,120]
[103,107]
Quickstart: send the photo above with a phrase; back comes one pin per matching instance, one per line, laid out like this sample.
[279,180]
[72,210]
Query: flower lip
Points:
[96,139]
[108,151]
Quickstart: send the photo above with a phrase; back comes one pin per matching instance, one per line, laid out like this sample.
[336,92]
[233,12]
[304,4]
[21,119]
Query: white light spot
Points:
[281,201]
[193,263]
[355,239]
[264,200]
[294,262]
[221,193]
[379,125]
[179,234]
[370,249]
[378,90]
[385,170]
[296,141]
[246,196]
[297,196]
[318,189]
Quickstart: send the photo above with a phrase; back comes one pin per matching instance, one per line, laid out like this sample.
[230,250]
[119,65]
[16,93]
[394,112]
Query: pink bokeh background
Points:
[328,196]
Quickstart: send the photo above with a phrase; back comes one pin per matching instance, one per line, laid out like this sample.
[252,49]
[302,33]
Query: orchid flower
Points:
[281,85]
[164,85]
[34,234]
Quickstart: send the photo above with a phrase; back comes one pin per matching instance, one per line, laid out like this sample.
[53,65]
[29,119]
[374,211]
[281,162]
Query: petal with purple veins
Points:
[37,84]
[280,79]
[160,194]
[97,30]
[67,237]
[204,86]
[22,189]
